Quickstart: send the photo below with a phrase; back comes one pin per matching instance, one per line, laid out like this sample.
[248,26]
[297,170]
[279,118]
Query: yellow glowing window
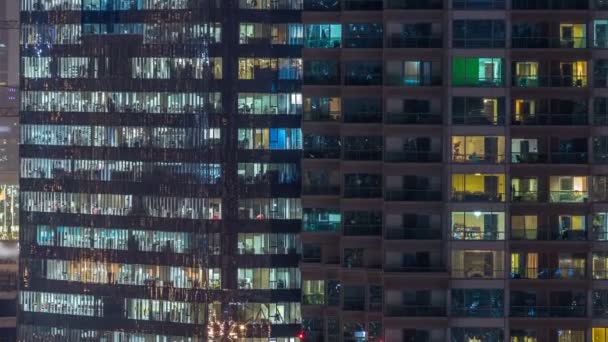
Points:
[532,265]
[573,35]
[600,335]
[478,149]
[577,71]
[477,184]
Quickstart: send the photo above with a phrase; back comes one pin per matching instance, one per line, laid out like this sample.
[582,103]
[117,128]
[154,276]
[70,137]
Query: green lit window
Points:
[477,72]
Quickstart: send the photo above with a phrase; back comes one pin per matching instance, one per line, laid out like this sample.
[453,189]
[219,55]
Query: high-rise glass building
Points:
[454,170]
[160,162]
[9,167]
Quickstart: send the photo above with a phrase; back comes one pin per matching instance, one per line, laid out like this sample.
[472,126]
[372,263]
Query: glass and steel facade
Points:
[160,170]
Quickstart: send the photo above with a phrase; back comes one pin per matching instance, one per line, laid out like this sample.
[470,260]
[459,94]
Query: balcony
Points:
[568,196]
[475,234]
[405,233]
[412,157]
[400,41]
[545,273]
[524,196]
[412,195]
[572,119]
[321,190]
[549,4]
[415,311]
[478,4]
[362,192]
[477,196]
[415,4]
[563,81]
[313,299]
[362,155]
[363,117]
[322,116]
[477,118]
[362,230]
[413,118]
[528,158]
[548,311]
[321,226]
[549,43]
[476,310]
[321,153]
[353,304]
[413,80]
[363,5]
[569,157]
[549,234]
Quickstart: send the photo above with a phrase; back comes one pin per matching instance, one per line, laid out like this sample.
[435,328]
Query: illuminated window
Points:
[478,149]
[524,227]
[565,189]
[313,292]
[483,264]
[478,225]
[526,74]
[573,35]
[478,187]
[323,36]
[476,72]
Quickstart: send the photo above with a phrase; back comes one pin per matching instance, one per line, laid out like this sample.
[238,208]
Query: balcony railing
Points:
[363,117]
[413,80]
[476,310]
[320,189]
[473,158]
[549,273]
[478,4]
[415,4]
[479,43]
[478,82]
[528,158]
[549,4]
[403,233]
[478,272]
[415,310]
[549,43]
[415,269]
[475,233]
[565,81]
[549,234]
[548,311]
[412,157]
[321,153]
[363,5]
[569,157]
[600,274]
[568,196]
[321,226]
[362,192]
[362,230]
[524,196]
[477,119]
[413,118]
[362,155]
[399,41]
[321,116]
[477,196]
[313,299]
[551,119]
[353,305]
[412,195]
